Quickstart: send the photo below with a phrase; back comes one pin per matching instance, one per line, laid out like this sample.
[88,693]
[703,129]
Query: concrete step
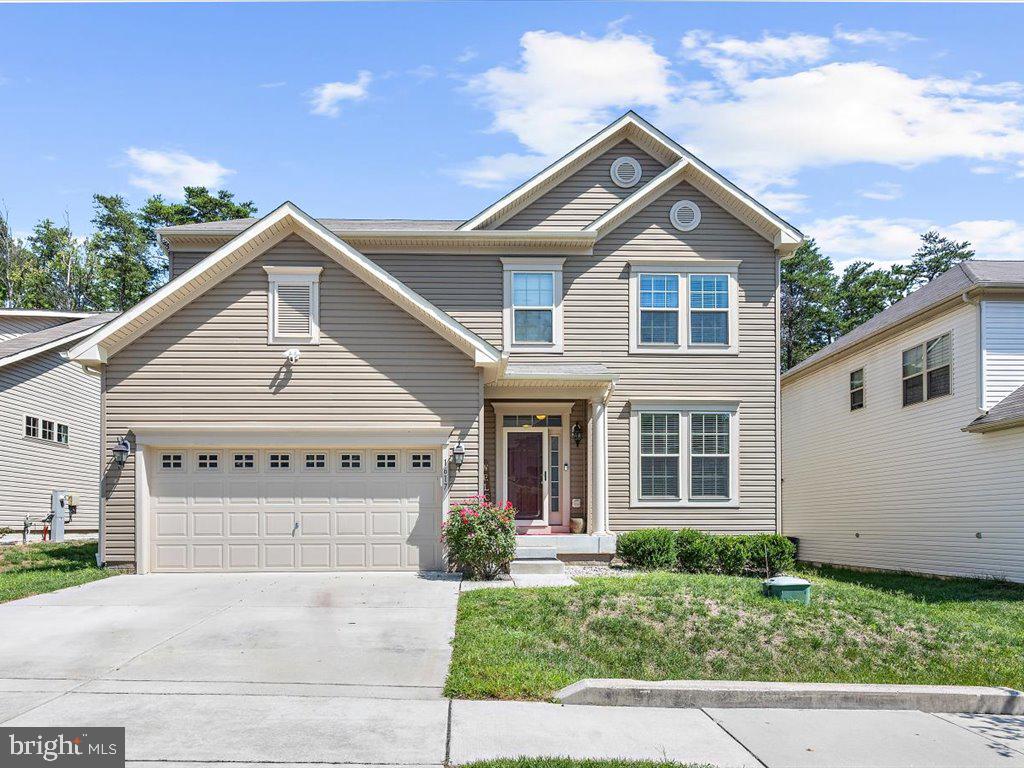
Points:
[536,567]
[526,552]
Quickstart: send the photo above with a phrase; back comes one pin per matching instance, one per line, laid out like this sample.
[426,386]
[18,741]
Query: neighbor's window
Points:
[47,430]
[857,389]
[709,455]
[709,309]
[927,370]
[659,455]
[294,298]
[533,307]
[31,426]
[62,434]
[659,309]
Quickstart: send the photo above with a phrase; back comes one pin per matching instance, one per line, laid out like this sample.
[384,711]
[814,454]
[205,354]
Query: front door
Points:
[526,473]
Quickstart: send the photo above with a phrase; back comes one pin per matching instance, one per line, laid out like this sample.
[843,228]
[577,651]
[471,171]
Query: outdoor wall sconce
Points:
[458,455]
[577,434]
[121,452]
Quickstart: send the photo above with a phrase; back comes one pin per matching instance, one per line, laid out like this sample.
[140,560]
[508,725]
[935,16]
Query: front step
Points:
[527,552]
[537,566]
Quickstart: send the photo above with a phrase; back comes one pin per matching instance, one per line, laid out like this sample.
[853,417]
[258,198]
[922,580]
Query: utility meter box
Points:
[60,513]
[789,589]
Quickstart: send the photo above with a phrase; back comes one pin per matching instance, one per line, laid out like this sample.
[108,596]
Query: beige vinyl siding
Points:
[597,330]
[182,261]
[210,362]
[48,387]
[1002,349]
[913,485]
[586,195]
[12,327]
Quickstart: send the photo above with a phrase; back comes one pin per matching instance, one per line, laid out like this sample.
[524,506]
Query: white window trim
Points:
[683,268]
[552,266]
[924,370]
[684,410]
[309,276]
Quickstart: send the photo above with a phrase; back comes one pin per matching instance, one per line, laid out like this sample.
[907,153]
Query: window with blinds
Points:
[294,300]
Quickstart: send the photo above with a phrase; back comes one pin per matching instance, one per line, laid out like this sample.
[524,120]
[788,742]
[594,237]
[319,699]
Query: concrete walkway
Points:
[349,668]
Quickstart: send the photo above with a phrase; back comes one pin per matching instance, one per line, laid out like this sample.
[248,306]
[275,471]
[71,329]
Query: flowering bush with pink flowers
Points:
[480,537]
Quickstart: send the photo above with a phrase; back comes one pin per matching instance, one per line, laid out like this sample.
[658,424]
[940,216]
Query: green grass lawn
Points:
[38,568]
[867,628]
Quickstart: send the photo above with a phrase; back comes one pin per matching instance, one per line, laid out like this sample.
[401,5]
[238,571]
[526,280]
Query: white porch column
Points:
[599,464]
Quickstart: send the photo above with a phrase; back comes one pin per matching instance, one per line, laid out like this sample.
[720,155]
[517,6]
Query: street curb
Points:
[735,694]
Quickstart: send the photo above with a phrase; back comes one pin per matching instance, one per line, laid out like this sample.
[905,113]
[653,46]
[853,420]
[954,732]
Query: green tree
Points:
[64,269]
[808,304]
[937,254]
[121,244]
[862,293]
[200,206]
[17,268]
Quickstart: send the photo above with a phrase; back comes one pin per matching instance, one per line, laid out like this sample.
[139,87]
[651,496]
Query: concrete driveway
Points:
[261,667]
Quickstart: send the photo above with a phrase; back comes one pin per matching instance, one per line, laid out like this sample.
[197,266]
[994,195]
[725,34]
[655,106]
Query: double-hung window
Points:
[682,307]
[659,309]
[293,305]
[857,389]
[533,305]
[927,370]
[709,310]
[659,455]
[684,454]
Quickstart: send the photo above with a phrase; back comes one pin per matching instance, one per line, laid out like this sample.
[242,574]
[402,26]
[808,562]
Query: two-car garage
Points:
[293,509]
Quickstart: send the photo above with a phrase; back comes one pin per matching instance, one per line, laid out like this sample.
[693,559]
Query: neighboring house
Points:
[51,417]
[598,347]
[903,441]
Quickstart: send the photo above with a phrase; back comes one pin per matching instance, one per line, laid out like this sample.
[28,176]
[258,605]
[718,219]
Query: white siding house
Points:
[908,481]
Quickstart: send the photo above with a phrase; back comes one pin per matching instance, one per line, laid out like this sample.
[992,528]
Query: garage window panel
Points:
[387,461]
[171,461]
[244,461]
[280,460]
[208,461]
[349,461]
[422,460]
[316,461]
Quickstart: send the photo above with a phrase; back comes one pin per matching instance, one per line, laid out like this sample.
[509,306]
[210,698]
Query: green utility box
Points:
[789,589]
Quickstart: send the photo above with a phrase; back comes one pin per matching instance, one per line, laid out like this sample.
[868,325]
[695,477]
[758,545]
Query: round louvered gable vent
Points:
[626,171]
[684,215]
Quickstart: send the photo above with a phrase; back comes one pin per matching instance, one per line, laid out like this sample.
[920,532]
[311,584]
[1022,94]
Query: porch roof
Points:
[588,372]
[546,379]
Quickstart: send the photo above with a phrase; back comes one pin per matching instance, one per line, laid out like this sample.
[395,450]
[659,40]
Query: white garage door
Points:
[244,509]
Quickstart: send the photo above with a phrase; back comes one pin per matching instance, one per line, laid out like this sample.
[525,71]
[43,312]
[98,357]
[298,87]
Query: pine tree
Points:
[126,270]
[808,305]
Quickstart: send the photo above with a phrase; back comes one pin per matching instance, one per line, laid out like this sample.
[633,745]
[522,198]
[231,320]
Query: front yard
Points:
[37,568]
[867,628]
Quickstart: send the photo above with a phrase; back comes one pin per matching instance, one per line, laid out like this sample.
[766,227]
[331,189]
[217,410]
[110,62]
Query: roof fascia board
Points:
[994,426]
[497,212]
[45,347]
[292,220]
[647,194]
[44,313]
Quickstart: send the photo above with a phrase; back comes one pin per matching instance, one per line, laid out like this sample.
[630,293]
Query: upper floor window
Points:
[857,389]
[533,305]
[681,308]
[31,426]
[293,305]
[927,370]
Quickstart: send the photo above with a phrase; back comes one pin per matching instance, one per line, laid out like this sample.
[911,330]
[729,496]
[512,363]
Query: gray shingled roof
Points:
[1008,412]
[29,341]
[949,284]
[335,225]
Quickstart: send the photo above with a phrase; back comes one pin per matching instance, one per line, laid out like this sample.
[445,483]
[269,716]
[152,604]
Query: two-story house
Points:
[598,347]
[903,441]
[50,412]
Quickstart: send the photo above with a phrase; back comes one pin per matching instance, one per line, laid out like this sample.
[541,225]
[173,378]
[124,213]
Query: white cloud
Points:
[734,59]
[326,98]
[872,36]
[882,190]
[424,72]
[167,173]
[890,241]
[275,84]
[494,171]
[467,55]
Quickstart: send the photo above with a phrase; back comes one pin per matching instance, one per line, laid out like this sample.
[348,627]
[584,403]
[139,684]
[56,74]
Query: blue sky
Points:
[862,124]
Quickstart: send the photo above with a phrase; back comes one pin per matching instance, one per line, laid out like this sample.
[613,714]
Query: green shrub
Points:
[732,554]
[480,537]
[696,551]
[648,548]
[769,554]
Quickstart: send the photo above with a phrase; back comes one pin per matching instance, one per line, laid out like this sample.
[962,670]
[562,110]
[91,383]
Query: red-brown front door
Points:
[526,473]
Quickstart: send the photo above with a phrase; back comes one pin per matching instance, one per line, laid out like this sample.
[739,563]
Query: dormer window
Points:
[533,305]
[293,305]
